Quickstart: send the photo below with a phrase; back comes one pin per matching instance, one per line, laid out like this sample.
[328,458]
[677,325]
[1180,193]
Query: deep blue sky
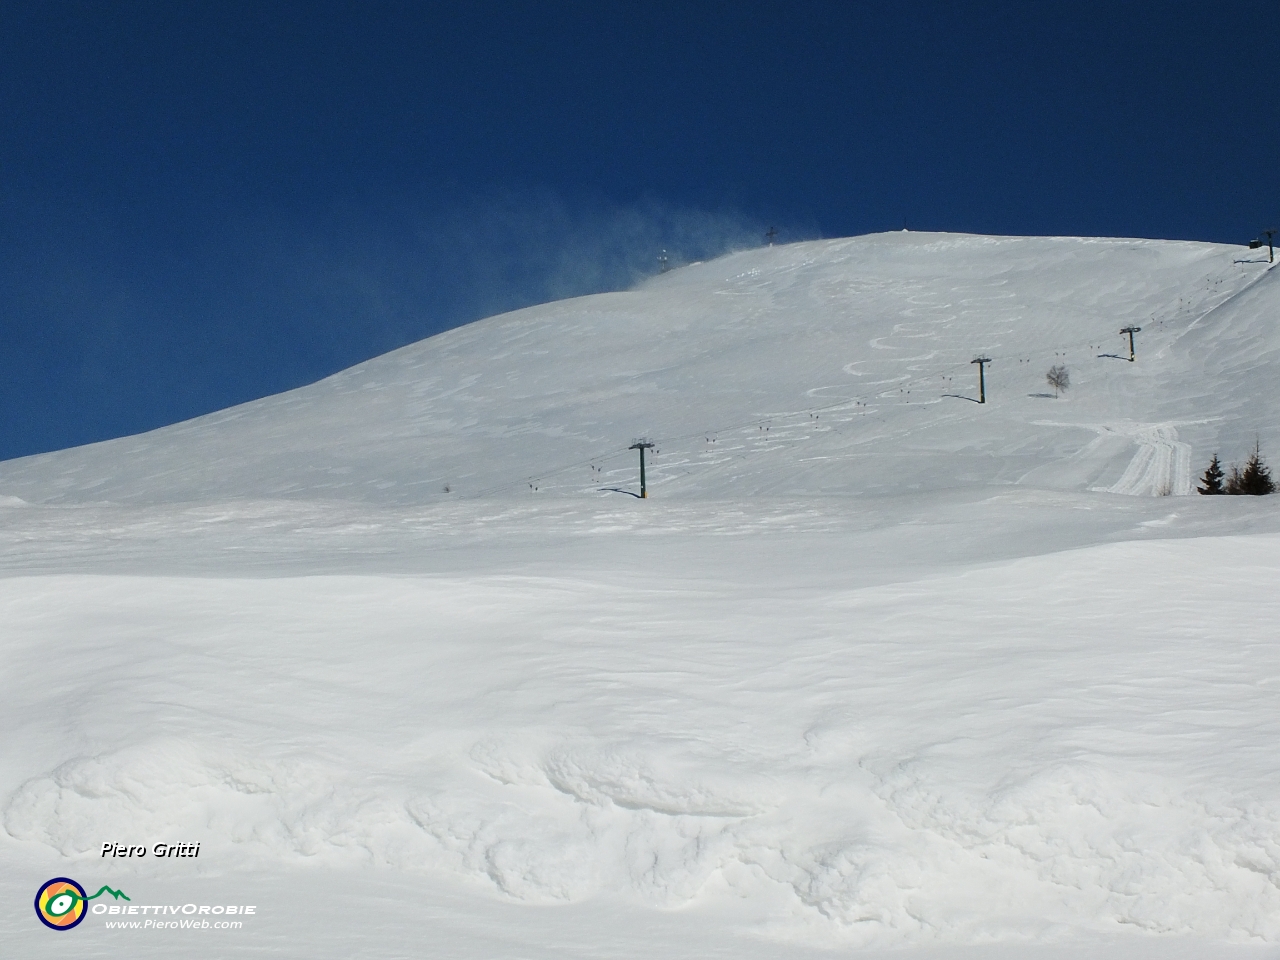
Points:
[204,203]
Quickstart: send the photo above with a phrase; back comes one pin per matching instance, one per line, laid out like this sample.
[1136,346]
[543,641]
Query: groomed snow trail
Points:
[1160,467]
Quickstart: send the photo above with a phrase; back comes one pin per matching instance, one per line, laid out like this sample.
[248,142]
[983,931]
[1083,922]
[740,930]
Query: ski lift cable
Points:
[879,399]
[865,401]
[1093,342]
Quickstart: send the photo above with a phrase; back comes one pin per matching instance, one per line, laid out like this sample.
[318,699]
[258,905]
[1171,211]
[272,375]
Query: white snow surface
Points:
[875,668]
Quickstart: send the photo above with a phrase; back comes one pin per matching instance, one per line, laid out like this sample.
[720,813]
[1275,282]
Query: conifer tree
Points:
[1212,479]
[1255,479]
[1235,481]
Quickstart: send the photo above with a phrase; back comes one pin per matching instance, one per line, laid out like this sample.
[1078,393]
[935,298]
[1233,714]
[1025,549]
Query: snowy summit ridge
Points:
[839,354]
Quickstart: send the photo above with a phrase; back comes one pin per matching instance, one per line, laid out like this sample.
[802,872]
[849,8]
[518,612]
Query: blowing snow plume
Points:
[147,318]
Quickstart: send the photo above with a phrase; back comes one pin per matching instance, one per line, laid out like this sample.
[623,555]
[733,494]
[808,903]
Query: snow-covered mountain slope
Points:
[816,368]
[875,667]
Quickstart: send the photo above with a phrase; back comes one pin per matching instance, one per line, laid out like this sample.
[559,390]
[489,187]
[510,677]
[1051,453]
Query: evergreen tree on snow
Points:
[1254,480]
[1212,479]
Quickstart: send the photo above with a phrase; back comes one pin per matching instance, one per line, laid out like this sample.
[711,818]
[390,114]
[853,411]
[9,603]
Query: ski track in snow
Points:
[1160,467]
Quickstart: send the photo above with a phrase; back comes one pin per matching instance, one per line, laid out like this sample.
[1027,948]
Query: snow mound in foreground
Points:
[1032,749]
[904,856]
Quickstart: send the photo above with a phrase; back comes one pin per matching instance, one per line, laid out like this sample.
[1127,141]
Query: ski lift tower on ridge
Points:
[1271,250]
[642,446]
[1131,331]
[982,377]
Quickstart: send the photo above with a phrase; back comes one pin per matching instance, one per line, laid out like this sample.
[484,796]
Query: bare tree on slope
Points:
[1058,378]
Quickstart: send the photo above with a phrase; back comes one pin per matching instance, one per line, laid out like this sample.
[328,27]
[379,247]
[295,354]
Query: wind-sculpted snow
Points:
[1126,849]
[891,862]
[165,785]
[1033,749]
